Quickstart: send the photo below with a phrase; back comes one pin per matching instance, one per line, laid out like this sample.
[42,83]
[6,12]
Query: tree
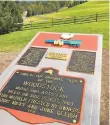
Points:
[62,3]
[41,7]
[10,16]
[53,7]
[57,5]
[29,11]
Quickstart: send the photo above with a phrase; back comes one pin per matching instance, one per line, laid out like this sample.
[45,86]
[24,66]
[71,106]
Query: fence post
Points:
[96,17]
[31,24]
[52,22]
[74,19]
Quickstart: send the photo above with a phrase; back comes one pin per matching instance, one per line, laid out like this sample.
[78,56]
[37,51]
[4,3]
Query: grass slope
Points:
[17,40]
[88,8]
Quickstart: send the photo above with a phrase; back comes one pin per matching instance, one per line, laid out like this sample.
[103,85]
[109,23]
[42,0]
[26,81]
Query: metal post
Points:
[96,17]
[52,22]
[74,19]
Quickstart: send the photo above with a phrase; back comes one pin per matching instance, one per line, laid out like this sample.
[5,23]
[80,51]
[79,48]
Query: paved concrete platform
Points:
[91,104]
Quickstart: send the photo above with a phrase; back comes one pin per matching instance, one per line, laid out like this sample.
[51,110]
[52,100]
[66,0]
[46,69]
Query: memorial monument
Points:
[56,79]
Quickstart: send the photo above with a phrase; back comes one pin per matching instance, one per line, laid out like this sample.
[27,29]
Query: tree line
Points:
[43,7]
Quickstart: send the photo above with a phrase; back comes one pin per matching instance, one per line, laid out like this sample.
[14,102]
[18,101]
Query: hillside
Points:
[88,8]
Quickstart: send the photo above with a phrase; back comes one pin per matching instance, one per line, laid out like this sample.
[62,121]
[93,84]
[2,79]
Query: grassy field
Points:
[88,8]
[17,40]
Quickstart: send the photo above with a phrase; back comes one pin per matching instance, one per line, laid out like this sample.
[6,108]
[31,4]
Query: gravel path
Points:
[6,58]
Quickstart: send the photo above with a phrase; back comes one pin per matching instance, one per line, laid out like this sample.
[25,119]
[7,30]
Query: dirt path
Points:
[105,89]
[6,58]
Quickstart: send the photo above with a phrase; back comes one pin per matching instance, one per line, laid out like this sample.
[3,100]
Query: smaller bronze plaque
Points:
[82,61]
[32,57]
[59,56]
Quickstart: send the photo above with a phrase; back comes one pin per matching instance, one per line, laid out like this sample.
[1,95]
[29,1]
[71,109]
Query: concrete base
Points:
[91,110]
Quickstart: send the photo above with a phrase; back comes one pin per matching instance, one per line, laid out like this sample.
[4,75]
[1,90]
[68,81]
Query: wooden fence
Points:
[75,20]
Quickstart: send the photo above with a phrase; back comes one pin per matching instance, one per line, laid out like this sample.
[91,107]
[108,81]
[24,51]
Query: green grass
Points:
[17,40]
[88,8]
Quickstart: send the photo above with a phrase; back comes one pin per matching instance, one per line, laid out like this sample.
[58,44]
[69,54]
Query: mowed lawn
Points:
[88,8]
[15,41]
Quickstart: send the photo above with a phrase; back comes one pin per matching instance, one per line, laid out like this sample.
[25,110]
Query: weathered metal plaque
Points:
[58,56]
[32,57]
[45,94]
[82,61]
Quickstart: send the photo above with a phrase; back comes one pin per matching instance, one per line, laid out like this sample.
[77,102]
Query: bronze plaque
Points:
[58,56]
[32,57]
[47,95]
[82,61]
